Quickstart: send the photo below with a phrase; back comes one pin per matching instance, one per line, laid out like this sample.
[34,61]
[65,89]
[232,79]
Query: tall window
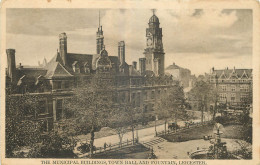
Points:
[133,99]
[58,84]
[44,126]
[233,88]
[233,97]
[67,84]
[153,95]
[59,110]
[159,94]
[145,96]
[138,99]
[42,107]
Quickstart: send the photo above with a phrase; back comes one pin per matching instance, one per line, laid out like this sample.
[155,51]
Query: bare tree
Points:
[125,116]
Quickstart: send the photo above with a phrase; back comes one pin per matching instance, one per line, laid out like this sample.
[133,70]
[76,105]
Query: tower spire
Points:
[99,18]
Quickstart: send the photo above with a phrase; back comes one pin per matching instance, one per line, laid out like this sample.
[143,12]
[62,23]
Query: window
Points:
[222,96]
[138,99]
[58,84]
[133,99]
[145,96]
[67,84]
[44,126]
[243,97]
[233,88]
[123,97]
[59,110]
[153,95]
[42,107]
[159,94]
[244,88]
[224,88]
[233,97]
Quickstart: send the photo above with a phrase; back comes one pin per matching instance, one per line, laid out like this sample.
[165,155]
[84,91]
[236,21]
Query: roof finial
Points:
[153,11]
[99,18]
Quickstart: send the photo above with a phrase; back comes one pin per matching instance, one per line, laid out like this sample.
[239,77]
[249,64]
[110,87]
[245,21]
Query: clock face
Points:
[149,42]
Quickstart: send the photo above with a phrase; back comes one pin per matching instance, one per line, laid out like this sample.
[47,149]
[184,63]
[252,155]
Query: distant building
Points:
[56,79]
[234,86]
[179,73]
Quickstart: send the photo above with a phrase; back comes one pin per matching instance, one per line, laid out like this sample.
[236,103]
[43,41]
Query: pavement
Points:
[144,135]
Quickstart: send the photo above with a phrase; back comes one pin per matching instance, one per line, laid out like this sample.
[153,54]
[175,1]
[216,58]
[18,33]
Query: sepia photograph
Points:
[129,84]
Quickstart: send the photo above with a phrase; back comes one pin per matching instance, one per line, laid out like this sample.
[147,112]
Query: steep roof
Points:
[81,58]
[232,73]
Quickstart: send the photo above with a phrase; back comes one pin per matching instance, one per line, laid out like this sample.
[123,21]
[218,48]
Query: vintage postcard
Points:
[130,82]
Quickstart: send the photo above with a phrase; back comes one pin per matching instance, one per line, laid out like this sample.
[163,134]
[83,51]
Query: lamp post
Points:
[156,118]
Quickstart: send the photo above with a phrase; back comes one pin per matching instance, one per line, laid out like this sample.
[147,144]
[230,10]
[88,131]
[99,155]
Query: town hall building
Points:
[56,79]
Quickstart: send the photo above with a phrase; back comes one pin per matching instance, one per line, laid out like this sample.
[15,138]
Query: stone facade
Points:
[234,86]
[56,79]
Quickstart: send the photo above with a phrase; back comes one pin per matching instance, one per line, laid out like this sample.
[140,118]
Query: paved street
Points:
[144,135]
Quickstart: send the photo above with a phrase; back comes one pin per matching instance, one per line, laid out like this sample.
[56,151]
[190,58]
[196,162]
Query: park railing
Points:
[111,147]
[173,131]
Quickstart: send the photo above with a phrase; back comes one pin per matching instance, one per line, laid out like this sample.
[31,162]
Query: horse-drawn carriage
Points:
[173,126]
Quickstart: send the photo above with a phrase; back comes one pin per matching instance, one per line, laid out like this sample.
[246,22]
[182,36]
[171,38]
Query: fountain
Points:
[217,149]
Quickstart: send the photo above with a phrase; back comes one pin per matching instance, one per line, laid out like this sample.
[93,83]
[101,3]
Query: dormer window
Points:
[86,68]
[75,67]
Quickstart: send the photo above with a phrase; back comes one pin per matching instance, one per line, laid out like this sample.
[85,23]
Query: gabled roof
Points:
[233,73]
[244,75]
[57,70]
[223,75]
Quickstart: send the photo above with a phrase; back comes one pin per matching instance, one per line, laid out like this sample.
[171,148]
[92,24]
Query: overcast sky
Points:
[194,39]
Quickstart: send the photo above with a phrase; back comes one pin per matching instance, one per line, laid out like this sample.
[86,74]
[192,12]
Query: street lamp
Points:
[156,118]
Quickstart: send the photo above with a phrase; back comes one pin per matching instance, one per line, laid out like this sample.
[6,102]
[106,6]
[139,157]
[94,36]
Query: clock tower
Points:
[154,52]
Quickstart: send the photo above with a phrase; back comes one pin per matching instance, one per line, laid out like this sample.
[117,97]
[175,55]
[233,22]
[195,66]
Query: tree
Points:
[90,107]
[203,92]
[54,145]
[22,127]
[172,105]
[123,117]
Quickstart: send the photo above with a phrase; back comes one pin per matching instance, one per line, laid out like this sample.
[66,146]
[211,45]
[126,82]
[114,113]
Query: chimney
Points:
[63,47]
[135,65]
[11,66]
[142,66]
[121,52]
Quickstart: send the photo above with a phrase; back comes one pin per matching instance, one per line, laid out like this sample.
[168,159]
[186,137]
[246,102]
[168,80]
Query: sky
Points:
[195,39]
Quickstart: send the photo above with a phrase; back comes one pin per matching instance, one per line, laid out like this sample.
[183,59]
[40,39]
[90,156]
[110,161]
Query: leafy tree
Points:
[90,107]
[172,105]
[54,146]
[203,92]
[22,127]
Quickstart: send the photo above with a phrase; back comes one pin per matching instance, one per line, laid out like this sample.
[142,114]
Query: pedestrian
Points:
[105,146]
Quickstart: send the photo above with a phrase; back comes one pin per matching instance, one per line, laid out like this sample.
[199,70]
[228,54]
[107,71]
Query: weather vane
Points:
[154,10]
